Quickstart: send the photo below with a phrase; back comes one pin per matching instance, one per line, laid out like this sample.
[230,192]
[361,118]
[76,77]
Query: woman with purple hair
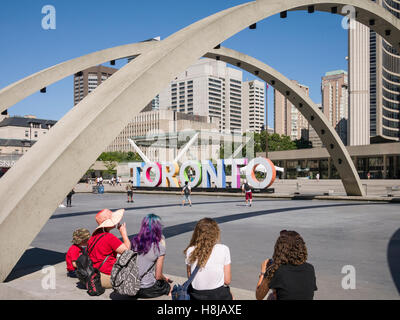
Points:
[150,245]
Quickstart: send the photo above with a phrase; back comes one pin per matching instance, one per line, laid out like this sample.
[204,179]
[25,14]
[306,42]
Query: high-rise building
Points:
[253,112]
[288,120]
[207,88]
[312,135]
[88,80]
[335,104]
[358,129]
[384,86]
[161,133]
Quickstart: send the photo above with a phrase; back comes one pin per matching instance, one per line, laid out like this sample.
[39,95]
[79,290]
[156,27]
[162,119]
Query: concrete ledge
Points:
[30,287]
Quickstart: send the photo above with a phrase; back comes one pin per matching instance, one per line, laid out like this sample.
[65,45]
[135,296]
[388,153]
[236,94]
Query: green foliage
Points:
[118,156]
[276,142]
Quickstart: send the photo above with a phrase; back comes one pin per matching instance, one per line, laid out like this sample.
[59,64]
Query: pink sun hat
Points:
[107,218]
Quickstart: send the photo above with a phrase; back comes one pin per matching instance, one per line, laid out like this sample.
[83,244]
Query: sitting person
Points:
[80,239]
[287,274]
[214,260]
[105,246]
[150,245]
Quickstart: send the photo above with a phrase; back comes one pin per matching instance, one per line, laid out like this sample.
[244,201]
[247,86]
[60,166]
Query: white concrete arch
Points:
[23,88]
[338,152]
[58,160]
[369,14]
[308,109]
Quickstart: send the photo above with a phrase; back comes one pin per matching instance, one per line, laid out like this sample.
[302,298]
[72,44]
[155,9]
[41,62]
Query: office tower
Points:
[312,134]
[385,97]
[334,90]
[288,120]
[253,112]
[88,80]
[161,133]
[358,129]
[384,86]
[207,88]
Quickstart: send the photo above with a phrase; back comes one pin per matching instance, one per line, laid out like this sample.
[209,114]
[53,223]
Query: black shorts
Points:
[221,293]
[130,193]
[160,288]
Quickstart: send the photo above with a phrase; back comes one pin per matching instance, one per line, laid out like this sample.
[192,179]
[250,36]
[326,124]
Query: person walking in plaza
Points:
[288,274]
[129,191]
[105,246]
[317,176]
[186,192]
[212,262]
[150,246]
[80,239]
[69,198]
[246,188]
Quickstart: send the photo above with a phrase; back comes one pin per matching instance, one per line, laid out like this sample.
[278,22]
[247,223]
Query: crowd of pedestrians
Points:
[186,191]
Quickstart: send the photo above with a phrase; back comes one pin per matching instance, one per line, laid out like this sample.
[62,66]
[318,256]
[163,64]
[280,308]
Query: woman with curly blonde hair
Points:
[287,274]
[213,261]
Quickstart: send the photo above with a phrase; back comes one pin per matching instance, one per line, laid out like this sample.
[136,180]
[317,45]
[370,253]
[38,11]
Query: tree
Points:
[118,156]
[110,165]
[276,142]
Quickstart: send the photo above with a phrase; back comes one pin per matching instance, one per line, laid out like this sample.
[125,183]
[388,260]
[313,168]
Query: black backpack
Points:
[186,190]
[89,276]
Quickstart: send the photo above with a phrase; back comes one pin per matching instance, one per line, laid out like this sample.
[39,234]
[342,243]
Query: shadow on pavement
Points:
[33,260]
[173,231]
[36,258]
[178,204]
[393,256]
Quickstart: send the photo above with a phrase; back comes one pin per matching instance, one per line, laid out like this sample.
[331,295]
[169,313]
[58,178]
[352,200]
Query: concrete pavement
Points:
[37,286]
[365,235]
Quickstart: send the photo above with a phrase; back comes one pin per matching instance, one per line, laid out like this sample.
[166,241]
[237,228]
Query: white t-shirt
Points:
[212,275]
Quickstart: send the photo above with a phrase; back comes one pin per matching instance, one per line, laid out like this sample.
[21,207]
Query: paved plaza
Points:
[364,234]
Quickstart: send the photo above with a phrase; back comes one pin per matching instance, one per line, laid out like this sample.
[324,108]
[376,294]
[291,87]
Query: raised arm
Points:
[262,285]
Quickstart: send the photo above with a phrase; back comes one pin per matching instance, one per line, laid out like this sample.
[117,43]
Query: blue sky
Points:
[302,47]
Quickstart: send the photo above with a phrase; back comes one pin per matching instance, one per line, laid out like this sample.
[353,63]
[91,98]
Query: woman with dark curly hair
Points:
[287,274]
[213,260]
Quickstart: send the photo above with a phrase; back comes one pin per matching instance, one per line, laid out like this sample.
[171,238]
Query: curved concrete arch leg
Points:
[58,160]
[327,134]
[23,88]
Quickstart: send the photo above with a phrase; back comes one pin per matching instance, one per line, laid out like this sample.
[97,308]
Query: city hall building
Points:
[381,161]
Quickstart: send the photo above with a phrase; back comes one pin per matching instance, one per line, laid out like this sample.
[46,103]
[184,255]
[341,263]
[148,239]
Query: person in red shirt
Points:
[80,239]
[104,253]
